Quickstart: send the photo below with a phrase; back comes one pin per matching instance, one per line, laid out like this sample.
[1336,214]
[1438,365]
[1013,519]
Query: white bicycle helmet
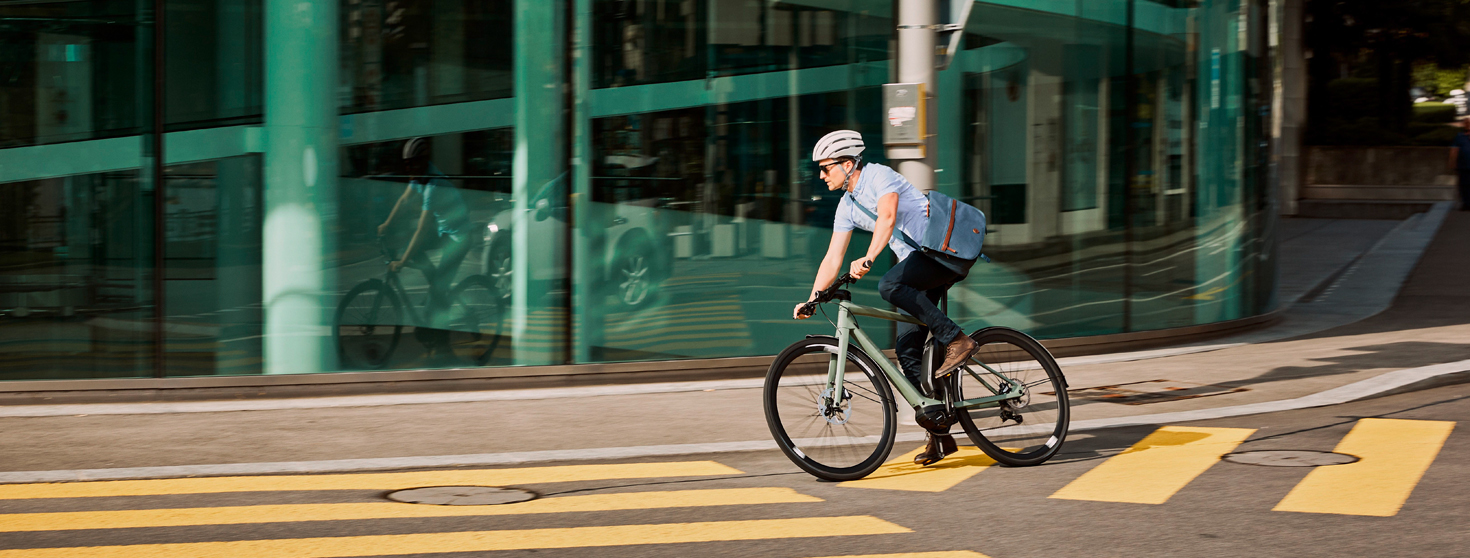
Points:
[842,143]
[415,148]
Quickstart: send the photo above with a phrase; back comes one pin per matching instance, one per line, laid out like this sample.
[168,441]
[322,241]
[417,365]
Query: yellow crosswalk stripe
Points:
[487,541]
[237,515]
[903,474]
[368,481]
[1155,468]
[1393,455]
[946,554]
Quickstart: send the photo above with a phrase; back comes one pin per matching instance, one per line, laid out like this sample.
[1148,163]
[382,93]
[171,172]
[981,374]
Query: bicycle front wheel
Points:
[833,438]
[368,324]
[475,320]
[1029,429]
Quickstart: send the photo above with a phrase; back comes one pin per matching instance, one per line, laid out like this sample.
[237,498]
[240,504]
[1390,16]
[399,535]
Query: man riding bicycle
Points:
[878,199]
[442,206]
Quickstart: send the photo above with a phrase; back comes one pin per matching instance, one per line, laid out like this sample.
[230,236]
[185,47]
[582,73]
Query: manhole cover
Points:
[462,495]
[1290,458]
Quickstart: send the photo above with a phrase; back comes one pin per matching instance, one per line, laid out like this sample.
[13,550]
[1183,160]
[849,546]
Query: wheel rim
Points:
[633,284]
[475,322]
[1029,426]
[835,435]
[368,328]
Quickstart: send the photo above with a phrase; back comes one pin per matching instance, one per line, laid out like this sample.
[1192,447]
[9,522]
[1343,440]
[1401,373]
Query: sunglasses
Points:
[822,169]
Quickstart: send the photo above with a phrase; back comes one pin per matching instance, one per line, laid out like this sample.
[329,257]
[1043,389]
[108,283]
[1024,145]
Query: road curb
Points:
[1399,381]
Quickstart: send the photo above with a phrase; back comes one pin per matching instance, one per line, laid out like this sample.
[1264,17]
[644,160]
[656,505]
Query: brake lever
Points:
[808,309]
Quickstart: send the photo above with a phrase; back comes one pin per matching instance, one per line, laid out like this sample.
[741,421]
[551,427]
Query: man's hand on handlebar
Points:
[804,310]
[860,267]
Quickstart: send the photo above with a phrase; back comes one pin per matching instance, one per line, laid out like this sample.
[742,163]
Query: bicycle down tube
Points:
[847,330]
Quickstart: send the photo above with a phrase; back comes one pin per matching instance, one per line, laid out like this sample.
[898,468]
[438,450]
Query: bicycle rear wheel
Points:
[832,440]
[368,325]
[476,318]
[1018,432]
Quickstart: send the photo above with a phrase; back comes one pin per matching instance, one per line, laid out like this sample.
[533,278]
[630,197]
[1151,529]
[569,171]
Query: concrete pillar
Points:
[1291,112]
[539,160]
[300,184]
[916,42]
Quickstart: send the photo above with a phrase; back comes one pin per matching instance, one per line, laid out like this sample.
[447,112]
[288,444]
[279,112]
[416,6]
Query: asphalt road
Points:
[1087,502]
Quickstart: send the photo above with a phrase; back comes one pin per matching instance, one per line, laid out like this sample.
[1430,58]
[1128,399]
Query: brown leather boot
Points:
[955,354]
[935,448]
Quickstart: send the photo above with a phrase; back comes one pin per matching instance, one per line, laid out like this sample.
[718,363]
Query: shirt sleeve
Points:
[888,183]
[842,222]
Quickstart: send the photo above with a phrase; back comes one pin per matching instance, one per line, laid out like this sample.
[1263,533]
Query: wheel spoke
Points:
[1025,429]
[838,441]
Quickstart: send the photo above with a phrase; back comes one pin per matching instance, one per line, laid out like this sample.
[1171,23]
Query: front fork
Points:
[835,366]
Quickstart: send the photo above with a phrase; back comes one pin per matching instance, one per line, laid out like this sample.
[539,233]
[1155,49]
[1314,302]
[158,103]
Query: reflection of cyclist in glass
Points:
[919,280]
[442,206]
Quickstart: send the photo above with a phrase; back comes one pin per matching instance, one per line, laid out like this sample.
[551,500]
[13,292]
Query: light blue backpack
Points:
[956,228]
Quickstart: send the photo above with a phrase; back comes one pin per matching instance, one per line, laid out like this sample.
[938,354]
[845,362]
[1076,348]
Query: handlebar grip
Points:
[867,265]
[808,309]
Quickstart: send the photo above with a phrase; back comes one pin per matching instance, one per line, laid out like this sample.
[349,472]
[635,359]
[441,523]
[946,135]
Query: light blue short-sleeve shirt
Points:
[876,181]
[442,199]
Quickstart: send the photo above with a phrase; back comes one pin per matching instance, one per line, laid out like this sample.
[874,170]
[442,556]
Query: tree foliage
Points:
[1383,40]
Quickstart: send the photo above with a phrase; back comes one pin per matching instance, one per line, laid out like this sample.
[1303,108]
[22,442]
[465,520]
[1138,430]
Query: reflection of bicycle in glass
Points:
[370,320]
[831,411]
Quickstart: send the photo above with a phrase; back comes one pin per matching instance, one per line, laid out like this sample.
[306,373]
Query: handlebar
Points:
[826,295]
[389,255]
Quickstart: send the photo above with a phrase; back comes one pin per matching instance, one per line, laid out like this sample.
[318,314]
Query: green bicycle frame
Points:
[848,330]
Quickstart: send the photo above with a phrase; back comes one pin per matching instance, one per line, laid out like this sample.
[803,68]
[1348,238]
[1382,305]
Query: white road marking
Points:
[1351,392]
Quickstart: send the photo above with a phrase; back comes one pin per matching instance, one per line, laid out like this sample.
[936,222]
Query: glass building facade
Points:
[634,175]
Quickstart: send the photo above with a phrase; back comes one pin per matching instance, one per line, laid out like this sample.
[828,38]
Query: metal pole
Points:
[160,195]
[1130,165]
[916,49]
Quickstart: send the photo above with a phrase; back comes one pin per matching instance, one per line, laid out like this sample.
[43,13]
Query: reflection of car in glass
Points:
[628,256]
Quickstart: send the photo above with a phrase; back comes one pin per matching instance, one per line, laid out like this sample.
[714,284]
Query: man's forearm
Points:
[413,243]
[394,212]
[880,238]
[825,275]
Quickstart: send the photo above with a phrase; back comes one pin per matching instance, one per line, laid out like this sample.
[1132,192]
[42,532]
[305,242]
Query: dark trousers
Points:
[451,254]
[1464,189]
[915,286]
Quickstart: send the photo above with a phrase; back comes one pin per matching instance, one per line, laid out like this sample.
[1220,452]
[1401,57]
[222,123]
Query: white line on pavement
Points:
[1379,385]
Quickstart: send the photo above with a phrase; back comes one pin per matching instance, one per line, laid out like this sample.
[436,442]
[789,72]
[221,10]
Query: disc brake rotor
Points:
[834,414]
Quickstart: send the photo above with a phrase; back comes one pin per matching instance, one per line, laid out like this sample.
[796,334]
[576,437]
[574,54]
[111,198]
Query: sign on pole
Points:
[903,107]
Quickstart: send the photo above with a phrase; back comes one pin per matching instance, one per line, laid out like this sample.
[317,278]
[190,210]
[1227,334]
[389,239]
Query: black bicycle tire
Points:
[1059,382]
[342,308]
[482,358]
[805,462]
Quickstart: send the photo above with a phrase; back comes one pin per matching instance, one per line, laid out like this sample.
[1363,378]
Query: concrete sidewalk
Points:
[1427,323]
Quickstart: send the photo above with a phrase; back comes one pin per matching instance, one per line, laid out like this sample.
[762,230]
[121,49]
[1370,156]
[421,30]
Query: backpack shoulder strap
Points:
[901,235]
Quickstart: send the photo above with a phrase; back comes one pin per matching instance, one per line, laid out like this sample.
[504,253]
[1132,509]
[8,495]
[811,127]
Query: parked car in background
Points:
[628,251]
